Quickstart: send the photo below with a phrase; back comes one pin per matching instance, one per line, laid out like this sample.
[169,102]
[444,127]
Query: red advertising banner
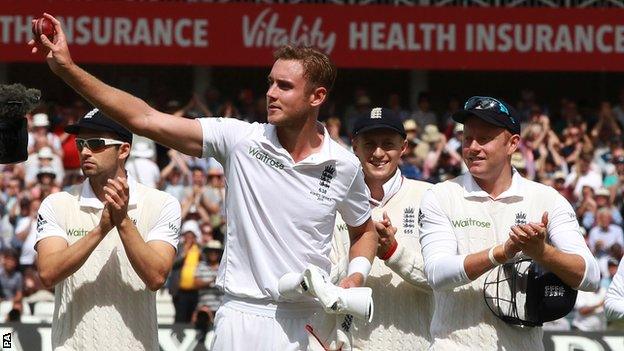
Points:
[374,36]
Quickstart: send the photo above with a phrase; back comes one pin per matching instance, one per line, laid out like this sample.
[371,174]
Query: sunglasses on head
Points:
[96,144]
[487,103]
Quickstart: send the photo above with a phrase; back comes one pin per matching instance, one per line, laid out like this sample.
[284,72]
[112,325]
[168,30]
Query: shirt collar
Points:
[88,198]
[390,188]
[472,189]
[322,156]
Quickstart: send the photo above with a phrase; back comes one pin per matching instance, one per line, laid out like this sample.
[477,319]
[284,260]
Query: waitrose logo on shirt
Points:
[77,232]
[263,157]
[470,222]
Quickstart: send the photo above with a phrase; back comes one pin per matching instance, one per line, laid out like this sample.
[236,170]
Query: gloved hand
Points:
[315,282]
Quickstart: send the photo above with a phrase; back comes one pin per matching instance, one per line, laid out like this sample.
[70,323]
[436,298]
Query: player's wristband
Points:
[390,251]
[492,258]
[360,265]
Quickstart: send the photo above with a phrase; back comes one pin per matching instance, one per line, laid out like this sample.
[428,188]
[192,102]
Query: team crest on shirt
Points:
[409,220]
[521,218]
[328,174]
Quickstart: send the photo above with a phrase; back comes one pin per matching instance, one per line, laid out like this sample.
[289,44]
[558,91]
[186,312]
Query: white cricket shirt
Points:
[458,218]
[104,302]
[614,301]
[280,213]
[401,294]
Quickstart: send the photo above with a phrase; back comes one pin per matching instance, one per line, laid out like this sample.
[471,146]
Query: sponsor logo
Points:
[174,228]
[265,158]
[553,290]
[77,232]
[91,113]
[265,31]
[347,323]
[409,220]
[470,222]
[40,223]
[342,227]
[421,216]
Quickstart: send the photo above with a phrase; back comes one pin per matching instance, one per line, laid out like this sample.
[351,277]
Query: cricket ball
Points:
[43,26]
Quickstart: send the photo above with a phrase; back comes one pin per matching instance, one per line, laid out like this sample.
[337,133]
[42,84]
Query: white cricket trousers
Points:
[244,324]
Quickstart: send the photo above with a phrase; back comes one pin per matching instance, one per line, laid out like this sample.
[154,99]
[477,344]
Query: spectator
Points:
[207,234]
[572,144]
[193,204]
[362,105]
[27,237]
[412,131]
[11,283]
[39,130]
[618,110]
[559,178]
[45,157]
[435,142]
[182,288]
[454,105]
[205,278]
[394,103]
[141,165]
[11,204]
[46,183]
[602,199]
[604,234]
[589,312]
[11,280]
[213,197]
[423,114]
[582,175]
[71,157]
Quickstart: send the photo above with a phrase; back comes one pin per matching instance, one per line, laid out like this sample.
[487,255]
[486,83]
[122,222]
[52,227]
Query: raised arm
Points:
[135,114]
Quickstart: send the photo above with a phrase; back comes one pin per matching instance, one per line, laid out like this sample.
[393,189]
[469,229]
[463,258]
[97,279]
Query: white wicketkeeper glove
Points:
[334,299]
[329,330]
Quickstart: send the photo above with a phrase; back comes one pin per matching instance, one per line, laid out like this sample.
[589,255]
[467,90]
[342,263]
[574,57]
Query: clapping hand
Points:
[531,238]
[117,194]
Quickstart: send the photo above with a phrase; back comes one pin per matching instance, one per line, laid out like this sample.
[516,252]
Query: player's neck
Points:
[99,181]
[495,186]
[376,187]
[301,140]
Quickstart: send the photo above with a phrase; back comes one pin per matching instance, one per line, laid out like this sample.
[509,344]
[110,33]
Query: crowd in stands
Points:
[579,152]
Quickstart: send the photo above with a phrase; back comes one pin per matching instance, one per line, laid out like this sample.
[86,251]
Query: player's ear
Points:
[318,96]
[404,147]
[512,143]
[124,151]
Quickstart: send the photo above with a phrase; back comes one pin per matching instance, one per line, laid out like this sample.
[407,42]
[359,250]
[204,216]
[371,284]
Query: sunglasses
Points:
[487,103]
[96,144]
